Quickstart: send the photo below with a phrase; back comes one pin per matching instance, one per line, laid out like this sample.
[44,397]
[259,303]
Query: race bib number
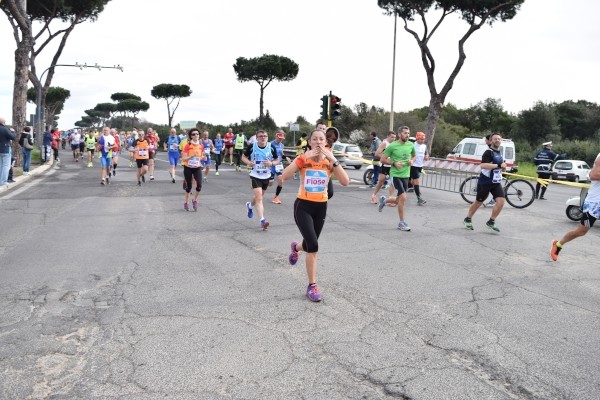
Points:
[151,147]
[207,150]
[142,152]
[315,181]
[497,175]
[194,162]
[260,167]
[174,146]
[279,168]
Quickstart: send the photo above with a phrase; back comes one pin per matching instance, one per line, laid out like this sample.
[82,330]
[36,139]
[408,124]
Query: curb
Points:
[24,178]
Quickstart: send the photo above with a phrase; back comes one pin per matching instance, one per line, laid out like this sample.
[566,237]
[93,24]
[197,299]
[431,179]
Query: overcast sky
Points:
[548,52]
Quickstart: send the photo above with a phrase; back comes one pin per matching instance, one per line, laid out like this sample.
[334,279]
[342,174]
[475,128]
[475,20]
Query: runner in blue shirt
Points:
[173,142]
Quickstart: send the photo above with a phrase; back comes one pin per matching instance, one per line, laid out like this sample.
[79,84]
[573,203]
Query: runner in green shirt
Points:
[400,155]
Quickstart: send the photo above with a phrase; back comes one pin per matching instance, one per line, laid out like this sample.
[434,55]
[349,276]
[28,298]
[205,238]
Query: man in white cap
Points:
[544,160]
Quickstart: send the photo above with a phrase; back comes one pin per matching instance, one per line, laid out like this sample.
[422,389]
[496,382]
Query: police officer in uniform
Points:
[544,160]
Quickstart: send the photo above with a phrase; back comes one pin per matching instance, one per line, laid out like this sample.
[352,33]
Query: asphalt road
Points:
[115,292]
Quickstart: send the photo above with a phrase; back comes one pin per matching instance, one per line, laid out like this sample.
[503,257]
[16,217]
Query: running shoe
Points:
[90,165]
[205,179]
[186,206]
[139,183]
[381,203]
[554,250]
[114,172]
[492,226]
[107,180]
[173,180]
[276,200]
[249,208]
[264,224]
[217,173]
[293,257]
[102,182]
[143,179]
[195,205]
[468,224]
[373,199]
[403,226]
[151,177]
[420,201]
[312,292]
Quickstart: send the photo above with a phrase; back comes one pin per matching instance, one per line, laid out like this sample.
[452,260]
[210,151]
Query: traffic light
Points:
[325,107]
[335,103]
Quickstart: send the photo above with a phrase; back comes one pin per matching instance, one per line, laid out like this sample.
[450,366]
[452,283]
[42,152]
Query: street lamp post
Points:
[393,74]
[39,113]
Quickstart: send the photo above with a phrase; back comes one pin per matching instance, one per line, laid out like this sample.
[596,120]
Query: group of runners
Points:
[315,163]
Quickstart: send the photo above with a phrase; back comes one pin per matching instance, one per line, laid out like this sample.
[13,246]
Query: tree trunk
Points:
[261,116]
[433,117]
[21,24]
[169,113]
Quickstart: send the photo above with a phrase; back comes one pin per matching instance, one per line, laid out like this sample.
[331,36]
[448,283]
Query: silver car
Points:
[349,155]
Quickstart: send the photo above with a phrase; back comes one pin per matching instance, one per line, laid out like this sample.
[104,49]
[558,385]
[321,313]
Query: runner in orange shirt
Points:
[310,208]
[192,156]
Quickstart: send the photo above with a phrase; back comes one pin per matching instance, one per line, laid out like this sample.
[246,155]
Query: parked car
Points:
[343,150]
[571,170]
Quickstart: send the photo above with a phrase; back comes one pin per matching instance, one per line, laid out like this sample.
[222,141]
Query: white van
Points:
[472,148]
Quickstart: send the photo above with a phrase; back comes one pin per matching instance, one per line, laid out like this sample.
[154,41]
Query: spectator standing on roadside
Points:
[544,160]
[6,137]
[26,143]
[47,145]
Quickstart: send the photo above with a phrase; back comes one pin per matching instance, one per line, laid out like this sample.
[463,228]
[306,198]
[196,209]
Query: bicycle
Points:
[519,193]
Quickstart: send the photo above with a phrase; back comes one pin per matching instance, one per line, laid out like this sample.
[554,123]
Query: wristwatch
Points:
[336,163]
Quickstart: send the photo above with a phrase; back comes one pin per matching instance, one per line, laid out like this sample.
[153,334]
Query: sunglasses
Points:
[194,134]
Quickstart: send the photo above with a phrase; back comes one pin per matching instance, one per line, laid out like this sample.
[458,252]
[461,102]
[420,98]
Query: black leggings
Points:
[188,173]
[218,160]
[310,218]
[238,156]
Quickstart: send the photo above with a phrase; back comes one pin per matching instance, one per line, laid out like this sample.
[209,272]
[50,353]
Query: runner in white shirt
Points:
[417,166]
[384,172]
[75,140]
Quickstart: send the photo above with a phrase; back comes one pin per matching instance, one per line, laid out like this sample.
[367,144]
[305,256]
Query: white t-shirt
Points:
[75,138]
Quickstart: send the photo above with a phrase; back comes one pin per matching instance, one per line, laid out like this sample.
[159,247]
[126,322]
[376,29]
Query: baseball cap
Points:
[547,144]
[280,135]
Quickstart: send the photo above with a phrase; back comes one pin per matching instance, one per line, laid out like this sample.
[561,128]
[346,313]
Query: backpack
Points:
[24,141]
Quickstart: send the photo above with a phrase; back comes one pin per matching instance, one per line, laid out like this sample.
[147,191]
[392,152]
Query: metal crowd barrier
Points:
[448,175]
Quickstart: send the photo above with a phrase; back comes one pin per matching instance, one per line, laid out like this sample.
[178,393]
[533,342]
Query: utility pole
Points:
[393,74]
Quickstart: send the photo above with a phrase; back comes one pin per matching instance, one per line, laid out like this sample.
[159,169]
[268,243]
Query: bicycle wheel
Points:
[519,193]
[468,189]
[368,176]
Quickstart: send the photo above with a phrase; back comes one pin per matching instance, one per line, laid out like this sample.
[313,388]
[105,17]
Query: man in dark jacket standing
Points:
[544,160]
[6,137]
